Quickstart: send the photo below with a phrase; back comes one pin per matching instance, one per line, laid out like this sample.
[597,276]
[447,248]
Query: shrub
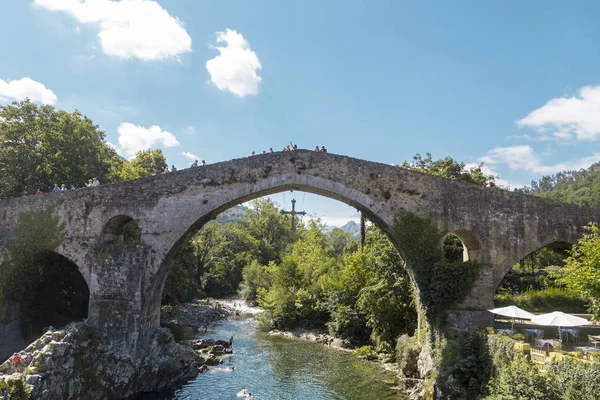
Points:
[522,380]
[366,352]
[518,337]
[407,355]
[544,301]
[18,389]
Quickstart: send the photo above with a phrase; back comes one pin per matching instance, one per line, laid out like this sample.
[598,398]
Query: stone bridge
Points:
[498,228]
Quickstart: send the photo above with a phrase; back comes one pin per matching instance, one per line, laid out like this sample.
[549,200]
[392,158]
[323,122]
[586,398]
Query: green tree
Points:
[581,273]
[145,163]
[449,168]
[339,241]
[264,222]
[40,146]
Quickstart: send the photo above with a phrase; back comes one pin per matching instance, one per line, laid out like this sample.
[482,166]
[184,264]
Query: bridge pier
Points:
[119,288]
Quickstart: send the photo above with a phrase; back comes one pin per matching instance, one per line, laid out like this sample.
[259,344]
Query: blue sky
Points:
[514,84]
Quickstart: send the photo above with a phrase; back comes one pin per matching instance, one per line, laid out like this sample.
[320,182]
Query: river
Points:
[281,369]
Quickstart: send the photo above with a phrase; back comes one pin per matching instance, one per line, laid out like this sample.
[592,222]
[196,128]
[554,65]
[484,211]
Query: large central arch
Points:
[273,185]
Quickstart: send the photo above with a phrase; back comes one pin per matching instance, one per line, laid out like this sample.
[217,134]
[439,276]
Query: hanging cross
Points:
[293,213]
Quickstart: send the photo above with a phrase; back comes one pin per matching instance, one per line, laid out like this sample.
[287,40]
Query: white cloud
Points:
[129,28]
[133,138]
[26,88]
[191,156]
[499,181]
[524,158]
[234,69]
[568,118]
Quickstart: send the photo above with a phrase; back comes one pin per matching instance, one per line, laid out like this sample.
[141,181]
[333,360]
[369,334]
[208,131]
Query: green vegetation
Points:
[20,273]
[42,146]
[48,288]
[582,270]
[17,389]
[578,187]
[477,365]
[441,283]
[145,163]
[449,168]
[303,278]
[543,301]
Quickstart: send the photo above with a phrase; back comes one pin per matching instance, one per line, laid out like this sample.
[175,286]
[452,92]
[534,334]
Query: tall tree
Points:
[145,163]
[40,146]
[449,168]
[264,222]
[582,268]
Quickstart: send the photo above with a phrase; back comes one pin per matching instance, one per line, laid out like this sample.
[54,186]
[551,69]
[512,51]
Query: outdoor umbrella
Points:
[560,319]
[512,312]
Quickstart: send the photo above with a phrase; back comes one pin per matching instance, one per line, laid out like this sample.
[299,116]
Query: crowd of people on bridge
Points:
[63,188]
[94,181]
[292,147]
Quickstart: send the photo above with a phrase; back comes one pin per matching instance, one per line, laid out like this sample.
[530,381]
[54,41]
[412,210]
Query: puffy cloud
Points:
[133,138]
[234,69]
[499,181]
[26,88]
[129,28]
[191,156]
[568,118]
[524,158]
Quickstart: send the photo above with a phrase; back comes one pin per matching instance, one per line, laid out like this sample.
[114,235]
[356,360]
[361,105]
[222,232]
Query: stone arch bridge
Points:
[497,227]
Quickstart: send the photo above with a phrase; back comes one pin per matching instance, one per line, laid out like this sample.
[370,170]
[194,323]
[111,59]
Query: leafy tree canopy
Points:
[145,163]
[449,168]
[582,269]
[40,146]
[578,187]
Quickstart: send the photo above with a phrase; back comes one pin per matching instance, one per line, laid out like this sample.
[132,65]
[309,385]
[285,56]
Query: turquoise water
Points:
[282,369]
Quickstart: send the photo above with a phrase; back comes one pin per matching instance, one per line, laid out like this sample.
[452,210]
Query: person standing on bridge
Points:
[95,182]
[56,189]
[38,192]
[203,163]
[195,164]
[173,169]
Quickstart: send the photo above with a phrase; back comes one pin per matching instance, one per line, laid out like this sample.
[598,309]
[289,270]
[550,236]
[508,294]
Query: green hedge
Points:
[544,301]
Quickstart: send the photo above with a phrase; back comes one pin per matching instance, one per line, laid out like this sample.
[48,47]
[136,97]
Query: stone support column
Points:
[119,288]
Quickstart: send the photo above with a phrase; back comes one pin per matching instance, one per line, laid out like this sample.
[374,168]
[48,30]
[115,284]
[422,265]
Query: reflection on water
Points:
[276,368]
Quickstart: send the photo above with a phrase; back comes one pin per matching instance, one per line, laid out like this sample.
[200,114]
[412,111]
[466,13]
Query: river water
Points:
[281,369]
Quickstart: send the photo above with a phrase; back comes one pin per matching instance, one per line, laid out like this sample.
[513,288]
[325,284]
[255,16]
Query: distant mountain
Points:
[351,227]
[232,215]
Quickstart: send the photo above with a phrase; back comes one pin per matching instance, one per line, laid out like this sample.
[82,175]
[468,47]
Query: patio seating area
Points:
[549,332]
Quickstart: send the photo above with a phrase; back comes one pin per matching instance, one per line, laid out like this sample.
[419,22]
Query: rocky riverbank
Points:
[195,315]
[74,363]
[315,337]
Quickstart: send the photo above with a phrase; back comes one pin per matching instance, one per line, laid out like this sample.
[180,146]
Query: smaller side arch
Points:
[470,243]
[121,228]
[558,245]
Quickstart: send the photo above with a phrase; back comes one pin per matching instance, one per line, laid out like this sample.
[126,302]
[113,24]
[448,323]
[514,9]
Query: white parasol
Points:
[560,319]
[512,312]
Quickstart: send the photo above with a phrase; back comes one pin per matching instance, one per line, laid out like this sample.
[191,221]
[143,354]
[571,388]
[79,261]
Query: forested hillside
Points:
[578,187]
